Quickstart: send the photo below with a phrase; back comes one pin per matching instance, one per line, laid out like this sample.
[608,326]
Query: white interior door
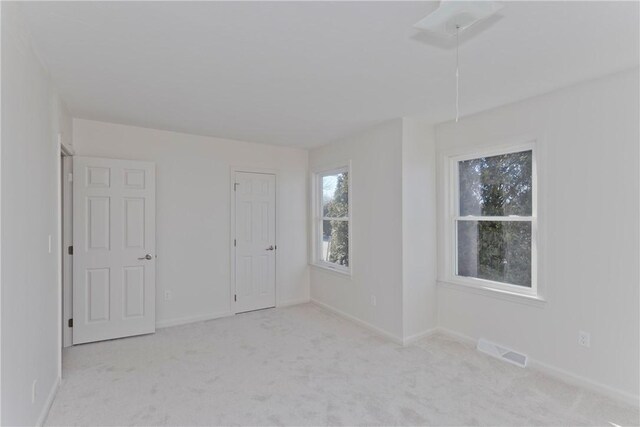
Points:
[255,242]
[113,248]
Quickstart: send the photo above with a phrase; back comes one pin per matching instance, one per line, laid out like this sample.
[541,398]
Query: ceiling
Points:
[307,73]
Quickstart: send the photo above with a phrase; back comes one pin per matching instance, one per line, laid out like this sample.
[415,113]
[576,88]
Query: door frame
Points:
[232,221]
[63,150]
[66,240]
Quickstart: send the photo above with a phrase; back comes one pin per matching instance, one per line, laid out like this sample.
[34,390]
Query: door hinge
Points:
[70,323]
[235,186]
[235,298]
[234,243]
[70,250]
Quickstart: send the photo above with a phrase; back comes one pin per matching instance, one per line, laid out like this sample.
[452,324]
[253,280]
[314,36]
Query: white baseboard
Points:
[167,323]
[415,337]
[190,319]
[360,322]
[586,383]
[457,335]
[47,403]
[560,374]
[402,341]
[291,302]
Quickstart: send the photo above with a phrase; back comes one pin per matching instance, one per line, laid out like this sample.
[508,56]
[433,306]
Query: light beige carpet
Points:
[304,366]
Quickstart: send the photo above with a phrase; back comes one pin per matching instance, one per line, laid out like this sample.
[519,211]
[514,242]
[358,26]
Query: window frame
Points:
[453,217]
[318,218]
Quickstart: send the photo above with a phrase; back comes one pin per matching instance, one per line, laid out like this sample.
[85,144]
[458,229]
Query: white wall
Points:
[587,139]
[393,229]
[376,246]
[418,228]
[32,116]
[193,212]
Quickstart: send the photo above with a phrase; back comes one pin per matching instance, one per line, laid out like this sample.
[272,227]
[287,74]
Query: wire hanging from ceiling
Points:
[459,16]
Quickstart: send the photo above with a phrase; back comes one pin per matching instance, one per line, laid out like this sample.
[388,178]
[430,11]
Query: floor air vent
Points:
[502,353]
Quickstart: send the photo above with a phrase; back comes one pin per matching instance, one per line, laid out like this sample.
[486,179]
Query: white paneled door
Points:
[114,247]
[255,241]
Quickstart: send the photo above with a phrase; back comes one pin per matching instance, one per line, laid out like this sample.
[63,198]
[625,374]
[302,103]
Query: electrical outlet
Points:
[168,295]
[584,339]
[373,300]
[34,391]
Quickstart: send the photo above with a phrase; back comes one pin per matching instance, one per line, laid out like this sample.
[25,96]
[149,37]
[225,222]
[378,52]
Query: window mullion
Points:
[493,218]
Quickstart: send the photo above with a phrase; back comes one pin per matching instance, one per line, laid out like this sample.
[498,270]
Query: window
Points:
[494,220]
[332,219]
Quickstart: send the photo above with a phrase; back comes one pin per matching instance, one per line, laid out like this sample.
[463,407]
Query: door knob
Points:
[147,257]
[270,248]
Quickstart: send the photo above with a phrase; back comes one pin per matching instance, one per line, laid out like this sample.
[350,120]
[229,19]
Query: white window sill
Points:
[341,273]
[533,300]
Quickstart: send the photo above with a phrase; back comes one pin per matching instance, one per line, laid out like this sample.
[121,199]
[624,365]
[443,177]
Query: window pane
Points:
[495,250]
[335,242]
[496,185]
[335,195]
